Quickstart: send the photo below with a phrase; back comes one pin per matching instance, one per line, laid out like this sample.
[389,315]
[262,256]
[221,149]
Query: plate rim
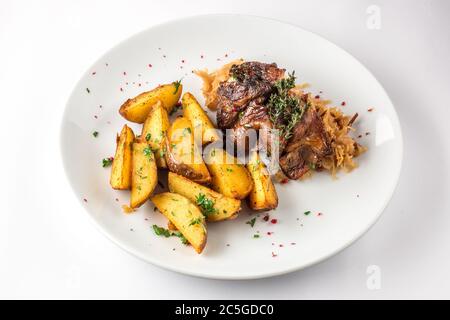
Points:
[130,250]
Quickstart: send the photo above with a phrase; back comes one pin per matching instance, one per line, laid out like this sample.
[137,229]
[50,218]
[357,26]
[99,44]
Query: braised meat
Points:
[257,96]
[247,82]
[307,147]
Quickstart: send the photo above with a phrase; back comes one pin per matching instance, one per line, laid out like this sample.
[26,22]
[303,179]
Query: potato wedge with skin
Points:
[198,118]
[229,177]
[144,174]
[137,108]
[263,195]
[185,216]
[154,132]
[182,154]
[224,207]
[121,167]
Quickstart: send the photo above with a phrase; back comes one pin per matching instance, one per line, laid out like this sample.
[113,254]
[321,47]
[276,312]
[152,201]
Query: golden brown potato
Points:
[185,216]
[263,195]
[144,176]
[182,154]
[154,132]
[198,118]
[171,226]
[229,177]
[215,206]
[137,108]
[121,167]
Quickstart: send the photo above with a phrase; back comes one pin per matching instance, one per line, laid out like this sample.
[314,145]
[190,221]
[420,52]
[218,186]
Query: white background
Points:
[49,248]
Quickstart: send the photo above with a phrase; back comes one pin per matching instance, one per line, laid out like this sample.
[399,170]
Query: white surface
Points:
[348,205]
[48,248]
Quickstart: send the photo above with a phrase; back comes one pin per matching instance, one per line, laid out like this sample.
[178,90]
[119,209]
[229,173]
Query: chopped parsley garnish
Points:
[160,231]
[88,91]
[106,162]
[181,237]
[207,205]
[229,170]
[95,134]
[256,236]
[285,110]
[195,221]
[306,213]
[251,222]
[177,85]
[312,166]
[148,152]
[148,136]
[186,130]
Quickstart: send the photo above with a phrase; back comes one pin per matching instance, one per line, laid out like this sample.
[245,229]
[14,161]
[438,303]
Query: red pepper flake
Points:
[370,109]
[367,133]
[95,117]
[281,246]
[274,221]
[85,200]
[150,65]
[317,97]
[121,89]
[139,84]
[94,73]
[343,103]
[284,181]
[266,218]
[360,136]
[201,56]
[182,61]
[100,106]
[319,214]
[269,233]
[124,73]
[178,104]
[274,254]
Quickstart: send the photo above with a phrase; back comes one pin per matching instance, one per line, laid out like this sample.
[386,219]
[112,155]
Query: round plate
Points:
[342,209]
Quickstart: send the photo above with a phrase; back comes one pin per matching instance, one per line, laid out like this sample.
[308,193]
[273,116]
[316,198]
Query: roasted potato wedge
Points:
[121,167]
[263,195]
[185,216]
[198,118]
[144,176]
[137,108]
[229,177]
[154,132]
[222,208]
[182,154]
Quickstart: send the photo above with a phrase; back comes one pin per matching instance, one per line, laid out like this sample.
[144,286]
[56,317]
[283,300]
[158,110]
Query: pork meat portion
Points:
[248,81]
[307,147]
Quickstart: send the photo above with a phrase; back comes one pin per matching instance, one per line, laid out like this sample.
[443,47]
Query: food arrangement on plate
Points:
[269,130]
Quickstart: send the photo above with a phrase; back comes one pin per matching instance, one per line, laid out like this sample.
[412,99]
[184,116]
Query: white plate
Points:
[349,205]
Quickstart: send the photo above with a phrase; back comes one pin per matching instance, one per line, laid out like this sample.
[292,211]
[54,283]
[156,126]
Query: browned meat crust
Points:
[307,147]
